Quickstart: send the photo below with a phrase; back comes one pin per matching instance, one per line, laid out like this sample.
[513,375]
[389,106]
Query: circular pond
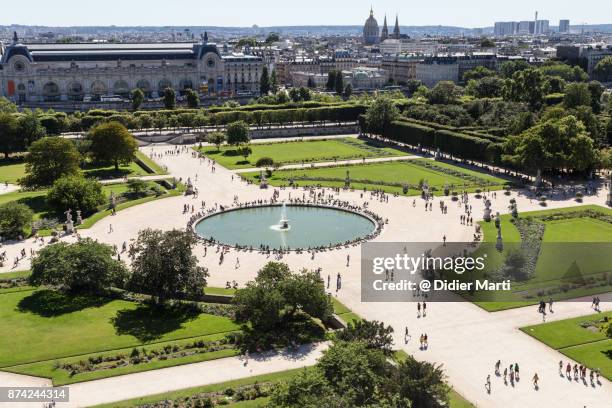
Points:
[285,227]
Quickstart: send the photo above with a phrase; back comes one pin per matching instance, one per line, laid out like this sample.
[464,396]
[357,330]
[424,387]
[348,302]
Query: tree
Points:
[137,98]
[576,94]
[216,138]
[487,87]
[244,151]
[509,68]
[528,85]
[348,91]
[112,142]
[75,192]
[568,73]
[309,389]
[29,128]
[85,266]
[596,90]
[305,94]
[478,73]
[354,370]
[272,38]
[264,162]
[238,133]
[7,106]
[137,187]
[331,80]
[273,82]
[603,69]
[160,122]
[373,333]
[445,92]
[9,136]
[380,114]
[311,83]
[193,99]
[264,81]
[294,94]
[422,383]
[269,306]
[48,159]
[164,266]
[15,218]
[169,98]
[339,84]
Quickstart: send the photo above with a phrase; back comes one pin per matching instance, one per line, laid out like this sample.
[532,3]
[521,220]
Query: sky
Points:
[245,13]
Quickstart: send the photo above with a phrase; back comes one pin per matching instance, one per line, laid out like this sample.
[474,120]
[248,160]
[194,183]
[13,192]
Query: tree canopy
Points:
[48,159]
[112,142]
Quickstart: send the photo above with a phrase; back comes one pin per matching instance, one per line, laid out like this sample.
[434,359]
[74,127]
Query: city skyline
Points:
[316,12]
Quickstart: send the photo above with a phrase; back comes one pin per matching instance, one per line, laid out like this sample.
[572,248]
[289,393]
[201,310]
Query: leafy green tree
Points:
[509,68]
[603,69]
[380,114]
[271,303]
[193,99]
[348,91]
[75,192]
[444,93]
[528,85]
[160,122]
[487,87]
[331,80]
[305,94]
[10,142]
[29,128]
[238,133]
[422,383]
[339,84]
[137,98]
[597,90]
[374,333]
[355,370]
[478,73]
[273,82]
[86,266]
[7,106]
[294,94]
[15,218]
[244,151]
[216,138]
[48,159]
[556,84]
[311,83]
[164,266]
[568,73]
[264,81]
[112,142]
[169,98]
[577,94]
[309,389]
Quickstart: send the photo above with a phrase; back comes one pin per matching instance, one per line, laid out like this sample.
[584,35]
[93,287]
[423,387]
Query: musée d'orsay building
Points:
[95,71]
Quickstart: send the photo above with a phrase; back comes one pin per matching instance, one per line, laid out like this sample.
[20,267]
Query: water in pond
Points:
[304,227]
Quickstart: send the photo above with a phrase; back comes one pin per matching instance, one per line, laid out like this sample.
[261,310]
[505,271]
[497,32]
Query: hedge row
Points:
[58,122]
[452,142]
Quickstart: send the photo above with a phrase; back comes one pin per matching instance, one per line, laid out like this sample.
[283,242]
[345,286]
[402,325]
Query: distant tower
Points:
[385,31]
[396,31]
[15,38]
[535,24]
[371,33]
[205,37]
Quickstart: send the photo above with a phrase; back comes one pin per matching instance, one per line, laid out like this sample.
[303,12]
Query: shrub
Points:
[137,187]
[76,193]
[14,219]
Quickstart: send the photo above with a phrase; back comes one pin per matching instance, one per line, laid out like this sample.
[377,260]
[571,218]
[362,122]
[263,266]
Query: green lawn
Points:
[570,246]
[11,171]
[157,169]
[309,151]
[588,346]
[389,176]
[45,325]
[59,376]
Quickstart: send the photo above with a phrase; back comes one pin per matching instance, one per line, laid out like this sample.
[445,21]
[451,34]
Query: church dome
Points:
[371,34]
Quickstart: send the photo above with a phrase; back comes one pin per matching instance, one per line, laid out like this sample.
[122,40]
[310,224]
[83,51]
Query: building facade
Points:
[82,72]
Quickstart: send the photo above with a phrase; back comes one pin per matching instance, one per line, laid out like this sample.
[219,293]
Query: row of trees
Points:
[163,266]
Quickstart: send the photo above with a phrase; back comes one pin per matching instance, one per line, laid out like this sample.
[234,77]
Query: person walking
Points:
[418,309]
[535,380]
[488,384]
[516,372]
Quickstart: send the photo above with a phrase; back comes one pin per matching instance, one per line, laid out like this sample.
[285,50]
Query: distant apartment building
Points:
[525,27]
[564,26]
[503,28]
[432,69]
[586,56]
[360,78]
[400,68]
[313,65]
